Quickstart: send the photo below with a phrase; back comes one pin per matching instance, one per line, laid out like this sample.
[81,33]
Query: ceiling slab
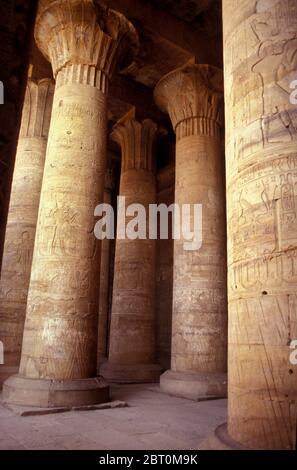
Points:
[187,10]
[156,58]
[146,16]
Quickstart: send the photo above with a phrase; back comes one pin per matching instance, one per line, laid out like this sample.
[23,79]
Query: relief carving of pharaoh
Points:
[275,67]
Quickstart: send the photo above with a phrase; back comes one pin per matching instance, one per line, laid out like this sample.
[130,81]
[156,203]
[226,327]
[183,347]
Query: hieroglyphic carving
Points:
[22,217]
[85,44]
[192,96]
[192,113]
[260,62]
[268,41]
[132,331]
[83,49]
[66,249]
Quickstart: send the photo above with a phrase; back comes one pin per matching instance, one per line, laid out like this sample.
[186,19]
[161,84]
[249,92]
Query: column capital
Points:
[136,140]
[84,40]
[37,108]
[192,96]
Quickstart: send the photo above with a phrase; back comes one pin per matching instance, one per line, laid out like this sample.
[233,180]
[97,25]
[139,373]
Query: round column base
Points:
[7,371]
[132,373]
[46,393]
[194,385]
[221,440]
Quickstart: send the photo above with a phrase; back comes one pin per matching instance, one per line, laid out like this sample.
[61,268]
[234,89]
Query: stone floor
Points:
[152,421]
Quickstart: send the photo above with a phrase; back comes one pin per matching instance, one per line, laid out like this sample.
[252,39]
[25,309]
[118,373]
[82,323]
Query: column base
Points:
[46,393]
[129,374]
[221,440]
[194,385]
[7,371]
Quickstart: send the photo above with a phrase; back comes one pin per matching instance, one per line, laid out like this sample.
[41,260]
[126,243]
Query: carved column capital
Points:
[192,96]
[84,42]
[37,108]
[136,140]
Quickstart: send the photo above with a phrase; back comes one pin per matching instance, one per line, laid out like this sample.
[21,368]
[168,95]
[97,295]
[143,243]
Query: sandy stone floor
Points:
[152,420]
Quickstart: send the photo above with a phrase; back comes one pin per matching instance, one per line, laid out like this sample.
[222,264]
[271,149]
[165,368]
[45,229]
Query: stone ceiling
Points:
[172,33]
[187,10]
[167,40]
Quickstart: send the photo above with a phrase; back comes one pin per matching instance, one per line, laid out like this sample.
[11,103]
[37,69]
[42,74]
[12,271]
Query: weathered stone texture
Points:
[192,97]
[22,218]
[16,34]
[132,351]
[260,39]
[66,257]
[60,334]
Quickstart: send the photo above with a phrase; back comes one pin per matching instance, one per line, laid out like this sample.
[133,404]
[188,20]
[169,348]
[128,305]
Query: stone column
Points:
[22,218]
[84,44]
[104,278]
[260,39]
[192,97]
[132,350]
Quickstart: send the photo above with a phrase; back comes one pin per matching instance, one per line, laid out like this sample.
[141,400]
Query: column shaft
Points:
[62,296]
[22,218]
[199,298]
[260,63]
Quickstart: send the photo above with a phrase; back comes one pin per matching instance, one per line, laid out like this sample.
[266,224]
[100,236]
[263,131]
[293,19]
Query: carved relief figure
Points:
[276,51]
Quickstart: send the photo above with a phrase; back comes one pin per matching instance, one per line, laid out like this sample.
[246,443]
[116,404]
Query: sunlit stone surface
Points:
[260,62]
[192,96]
[22,219]
[59,353]
[132,350]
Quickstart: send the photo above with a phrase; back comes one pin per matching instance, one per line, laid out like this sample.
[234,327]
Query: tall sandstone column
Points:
[84,44]
[104,278]
[132,349]
[260,43]
[192,97]
[22,219]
